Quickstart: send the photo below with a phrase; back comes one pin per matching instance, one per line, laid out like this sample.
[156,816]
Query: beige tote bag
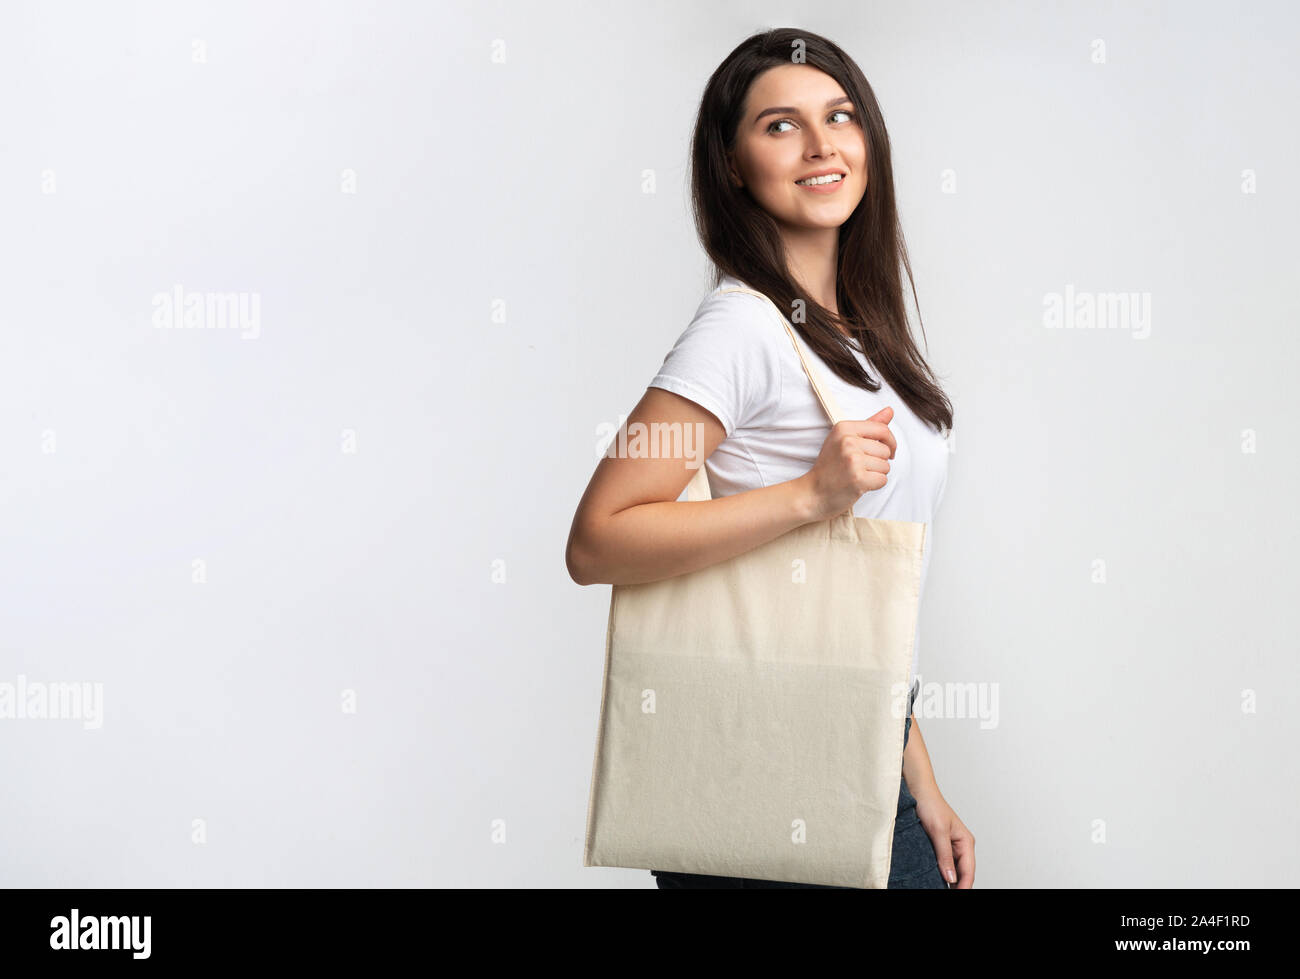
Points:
[752,712]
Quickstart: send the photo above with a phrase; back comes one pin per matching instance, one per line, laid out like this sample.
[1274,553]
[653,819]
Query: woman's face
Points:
[797,122]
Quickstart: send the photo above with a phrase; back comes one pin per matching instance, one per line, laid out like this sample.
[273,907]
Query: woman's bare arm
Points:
[630,528]
[917,769]
[954,844]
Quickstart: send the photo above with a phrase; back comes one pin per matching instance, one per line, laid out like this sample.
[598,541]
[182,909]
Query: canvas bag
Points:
[752,712]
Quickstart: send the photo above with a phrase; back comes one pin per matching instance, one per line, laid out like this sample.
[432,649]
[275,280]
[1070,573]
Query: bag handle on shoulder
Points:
[698,488]
[806,358]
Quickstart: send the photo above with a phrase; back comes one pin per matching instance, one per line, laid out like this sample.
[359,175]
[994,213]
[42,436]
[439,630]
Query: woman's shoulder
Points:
[731,287]
[735,309]
[729,358]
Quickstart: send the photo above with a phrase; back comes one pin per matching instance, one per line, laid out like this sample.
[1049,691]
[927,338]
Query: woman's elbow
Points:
[576,570]
[577,559]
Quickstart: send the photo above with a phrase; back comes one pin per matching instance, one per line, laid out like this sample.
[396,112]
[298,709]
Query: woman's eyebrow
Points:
[793,111]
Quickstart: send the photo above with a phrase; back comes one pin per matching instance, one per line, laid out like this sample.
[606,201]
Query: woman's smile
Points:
[823,181]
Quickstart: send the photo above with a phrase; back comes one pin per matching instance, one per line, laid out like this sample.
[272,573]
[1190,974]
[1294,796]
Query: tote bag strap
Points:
[820,387]
[697,489]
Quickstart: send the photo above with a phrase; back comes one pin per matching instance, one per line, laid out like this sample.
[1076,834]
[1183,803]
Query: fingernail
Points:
[952,877]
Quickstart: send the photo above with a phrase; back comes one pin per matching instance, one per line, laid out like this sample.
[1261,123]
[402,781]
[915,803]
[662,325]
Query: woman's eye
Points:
[837,112]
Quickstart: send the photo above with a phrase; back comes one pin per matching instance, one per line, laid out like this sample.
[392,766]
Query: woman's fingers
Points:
[943,853]
[963,847]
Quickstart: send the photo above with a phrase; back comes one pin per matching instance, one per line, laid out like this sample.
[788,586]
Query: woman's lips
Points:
[829,188]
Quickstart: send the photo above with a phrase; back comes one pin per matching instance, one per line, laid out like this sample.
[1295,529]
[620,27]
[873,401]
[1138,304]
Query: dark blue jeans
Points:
[912,865]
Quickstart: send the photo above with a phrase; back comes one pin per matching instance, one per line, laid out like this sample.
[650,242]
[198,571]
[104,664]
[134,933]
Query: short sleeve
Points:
[727,361]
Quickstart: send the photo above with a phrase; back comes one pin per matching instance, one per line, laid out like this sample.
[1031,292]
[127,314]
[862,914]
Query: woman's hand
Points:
[953,842]
[853,460]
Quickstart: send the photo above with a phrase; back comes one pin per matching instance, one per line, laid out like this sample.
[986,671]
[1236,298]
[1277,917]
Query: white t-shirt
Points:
[736,360]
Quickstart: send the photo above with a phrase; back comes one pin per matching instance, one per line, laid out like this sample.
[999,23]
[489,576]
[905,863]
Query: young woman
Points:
[793,196]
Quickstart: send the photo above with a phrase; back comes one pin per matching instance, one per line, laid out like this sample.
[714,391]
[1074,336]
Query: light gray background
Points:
[519,182]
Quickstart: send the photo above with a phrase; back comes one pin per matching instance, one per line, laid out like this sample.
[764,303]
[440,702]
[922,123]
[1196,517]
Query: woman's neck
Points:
[812,257]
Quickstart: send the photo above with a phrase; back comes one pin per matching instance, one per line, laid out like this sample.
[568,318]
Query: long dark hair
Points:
[743,240]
